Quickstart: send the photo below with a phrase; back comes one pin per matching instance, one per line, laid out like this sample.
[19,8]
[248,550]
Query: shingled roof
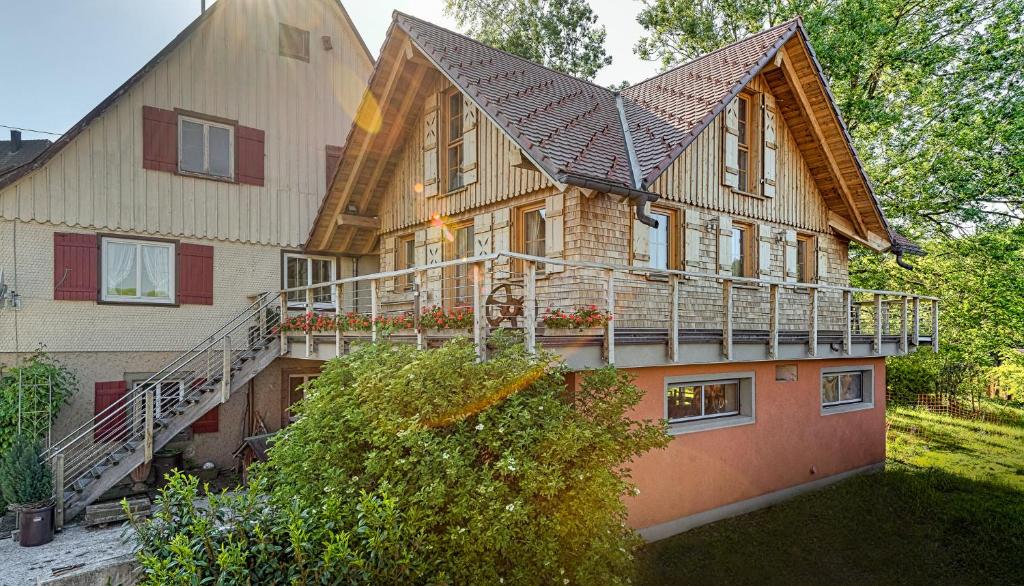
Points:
[17,152]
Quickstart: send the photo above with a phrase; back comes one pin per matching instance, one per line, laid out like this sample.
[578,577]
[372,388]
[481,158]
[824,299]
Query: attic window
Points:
[293,42]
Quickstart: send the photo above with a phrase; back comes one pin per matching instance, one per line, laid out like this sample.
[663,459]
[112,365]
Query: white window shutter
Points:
[554,234]
[432,287]
[482,234]
[469,160]
[821,270]
[387,261]
[764,251]
[430,146]
[420,248]
[641,241]
[731,145]
[771,145]
[725,235]
[501,239]
[791,268]
[692,230]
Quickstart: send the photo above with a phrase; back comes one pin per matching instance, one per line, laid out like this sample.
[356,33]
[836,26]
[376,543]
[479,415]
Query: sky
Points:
[60,58]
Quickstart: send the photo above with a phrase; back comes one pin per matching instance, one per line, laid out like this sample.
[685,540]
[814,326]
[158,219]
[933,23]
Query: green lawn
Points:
[949,509]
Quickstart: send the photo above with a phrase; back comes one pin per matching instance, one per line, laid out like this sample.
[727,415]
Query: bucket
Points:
[35,526]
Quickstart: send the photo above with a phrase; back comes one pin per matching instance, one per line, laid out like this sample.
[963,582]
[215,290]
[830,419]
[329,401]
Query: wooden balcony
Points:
[657,317]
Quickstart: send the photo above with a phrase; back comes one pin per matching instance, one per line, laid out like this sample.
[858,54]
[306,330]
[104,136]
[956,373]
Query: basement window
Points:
[704,402]
[846,389]
[293,42]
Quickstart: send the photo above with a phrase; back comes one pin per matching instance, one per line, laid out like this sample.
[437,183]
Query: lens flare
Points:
[513,387]
[418,188]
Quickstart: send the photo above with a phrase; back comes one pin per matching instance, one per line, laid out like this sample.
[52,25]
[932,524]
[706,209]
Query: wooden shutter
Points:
[641,241]
[75,267]
[159,139]
[554,234]
[209,422]
[791,258]
[430,146]
[432,253]
[469,161]
[333,157]
[692,231]
[764,251]
[482,234]
[725,235]
[731,144]
[501,238]
[111,426]
[195,274]
[387,261]
[821,270]
[249,155]
[769,153]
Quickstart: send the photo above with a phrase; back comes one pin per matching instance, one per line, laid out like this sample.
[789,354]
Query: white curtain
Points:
[156,270]
[120,259]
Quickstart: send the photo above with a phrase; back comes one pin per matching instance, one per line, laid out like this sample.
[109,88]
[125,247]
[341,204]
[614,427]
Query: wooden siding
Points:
[497,180]
[695,178]
[229,67]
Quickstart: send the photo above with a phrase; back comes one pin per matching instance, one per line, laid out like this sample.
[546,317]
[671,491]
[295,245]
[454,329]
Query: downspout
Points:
[639,198]
[634,165]
[899,260]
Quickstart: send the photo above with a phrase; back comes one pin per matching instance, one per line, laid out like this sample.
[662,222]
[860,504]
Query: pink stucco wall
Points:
[790,442]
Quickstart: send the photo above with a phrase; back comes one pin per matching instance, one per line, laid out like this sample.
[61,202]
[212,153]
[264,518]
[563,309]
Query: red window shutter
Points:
[111,426]
[208,423]
[195,274]
[249,155]
[333,158]
[159,139]
[75,267]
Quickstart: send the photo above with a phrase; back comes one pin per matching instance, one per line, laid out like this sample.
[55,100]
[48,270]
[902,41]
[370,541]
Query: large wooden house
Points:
[693,229]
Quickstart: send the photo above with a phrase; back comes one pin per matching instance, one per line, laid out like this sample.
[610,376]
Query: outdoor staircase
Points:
[98,454]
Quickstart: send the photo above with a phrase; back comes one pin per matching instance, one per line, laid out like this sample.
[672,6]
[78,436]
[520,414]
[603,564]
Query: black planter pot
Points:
[166,460]
[35,526]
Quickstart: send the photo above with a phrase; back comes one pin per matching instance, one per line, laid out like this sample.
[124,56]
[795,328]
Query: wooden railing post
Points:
[877,344]
[284,318]
[530,306]
[479,338]
[773,321]
[309,315]
[848,321]
[935,325]
[915,334]
[673,324]
[339,297]
[225,381]
[374,309]
[904,348]
[58,491]
[147,451]
[609,331]
[727,306]
[261,317]
[812,322]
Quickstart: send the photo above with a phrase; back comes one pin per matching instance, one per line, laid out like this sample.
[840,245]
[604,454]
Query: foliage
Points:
[930,91]
[584,316]
[45,386]
[561,34]
[24,479]
[438,318]
[433,317]
[426,466]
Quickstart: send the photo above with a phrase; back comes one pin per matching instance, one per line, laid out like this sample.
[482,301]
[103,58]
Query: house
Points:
[693,229]
[154,219]
[17,152]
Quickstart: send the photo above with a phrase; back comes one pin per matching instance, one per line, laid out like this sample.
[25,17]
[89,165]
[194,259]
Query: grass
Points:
[949,509]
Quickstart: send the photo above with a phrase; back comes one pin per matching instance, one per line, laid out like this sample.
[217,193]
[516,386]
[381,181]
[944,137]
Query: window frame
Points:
[301,304]
[749,141]
[450,252]
[673,233]
[519,232]
[451,142]
[158,393]
[405,258]
[748,249]
[206,123]
[703,415]
[806,269]
[867,400]
[747,402]
[281,49]
[171,245]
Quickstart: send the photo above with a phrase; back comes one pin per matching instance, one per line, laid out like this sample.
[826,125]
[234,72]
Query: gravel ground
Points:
[75,546]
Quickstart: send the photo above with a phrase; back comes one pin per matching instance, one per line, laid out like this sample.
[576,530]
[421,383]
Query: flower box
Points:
[563,332]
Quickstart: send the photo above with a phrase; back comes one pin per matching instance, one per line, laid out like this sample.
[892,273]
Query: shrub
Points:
[24,479]
[45,385]
[430,467]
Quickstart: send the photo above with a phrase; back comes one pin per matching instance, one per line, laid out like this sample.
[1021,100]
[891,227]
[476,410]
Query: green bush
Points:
[428,467]
[45,386]
[24,479]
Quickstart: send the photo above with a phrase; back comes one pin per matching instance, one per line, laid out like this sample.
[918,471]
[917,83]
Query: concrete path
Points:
[76,547]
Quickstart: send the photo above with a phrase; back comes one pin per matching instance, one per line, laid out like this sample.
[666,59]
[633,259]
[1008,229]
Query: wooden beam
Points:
[357,221]
[793,78]
[847,229]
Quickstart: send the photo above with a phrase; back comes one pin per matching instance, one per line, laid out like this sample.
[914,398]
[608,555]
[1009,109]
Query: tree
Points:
[929,90]
[561,34]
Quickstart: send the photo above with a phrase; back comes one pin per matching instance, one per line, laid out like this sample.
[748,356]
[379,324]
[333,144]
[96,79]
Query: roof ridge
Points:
[510,54]
[788,23]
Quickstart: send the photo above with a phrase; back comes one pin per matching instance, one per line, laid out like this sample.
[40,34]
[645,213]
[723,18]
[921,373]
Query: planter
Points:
[450,333]
[564,332]
[166,460]
[35,526]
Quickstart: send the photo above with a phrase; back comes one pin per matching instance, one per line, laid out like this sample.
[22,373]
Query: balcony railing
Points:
[693,317]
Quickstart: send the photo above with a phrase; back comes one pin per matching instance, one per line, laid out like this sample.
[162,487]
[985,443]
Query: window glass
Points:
[703,400]
[191,147]
[721,399]
[166,395]
[455,166]
[801,260]
[830,388]
[534,232]
[659,241]
[156,272]
[454,117]
[138,271]
[220,151]
[684,402]
[323,272]
[407,260]
[739,250]
[463,248]
[295,391]
[303,271]
[851,387]
[296,275]
[120,269]
[744,144]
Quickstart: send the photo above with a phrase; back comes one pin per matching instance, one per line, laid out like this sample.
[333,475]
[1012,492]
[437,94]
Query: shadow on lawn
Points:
[903,526]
